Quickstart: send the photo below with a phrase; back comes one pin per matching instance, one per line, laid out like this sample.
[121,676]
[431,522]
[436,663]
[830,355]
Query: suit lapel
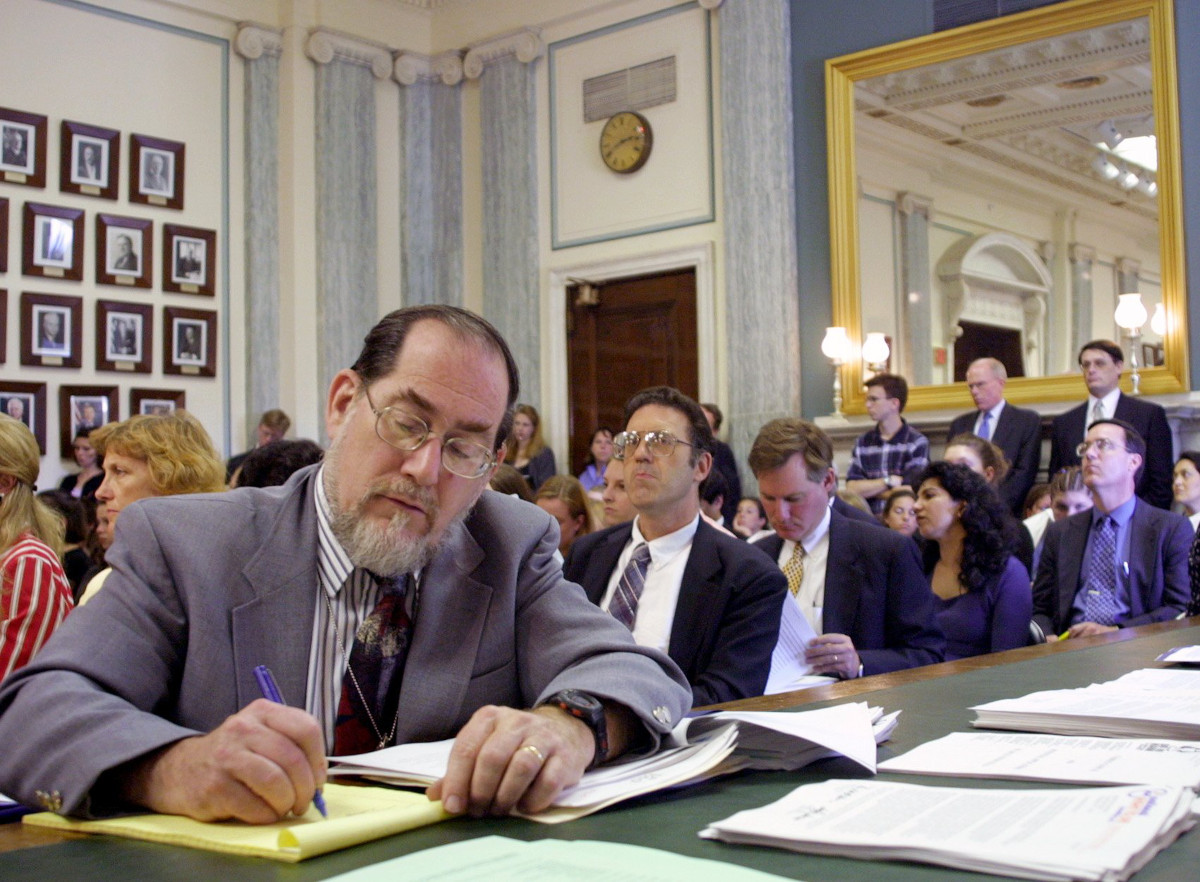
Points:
[1144,534]
[843,576]
[1073,546]
[698,591]
[603,560]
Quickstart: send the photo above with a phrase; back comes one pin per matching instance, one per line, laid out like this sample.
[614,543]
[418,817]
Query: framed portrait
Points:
[81,409]
[123,335]
[26,402]
[53,242]
[124,255]
[4,329]
[189,341]
[22,148]
[3,235]
[88,160]
[189,260]
[51,330]
[151,402]
[156,171]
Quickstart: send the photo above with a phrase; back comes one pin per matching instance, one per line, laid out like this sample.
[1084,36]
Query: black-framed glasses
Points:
[1102,445]
[405,431]
[658,443]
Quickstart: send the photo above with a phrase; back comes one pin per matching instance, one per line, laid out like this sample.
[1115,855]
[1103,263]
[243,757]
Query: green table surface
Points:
[934,702]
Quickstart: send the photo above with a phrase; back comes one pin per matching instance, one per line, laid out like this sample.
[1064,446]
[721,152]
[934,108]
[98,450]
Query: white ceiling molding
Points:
[323,46]
[413,67]
[526,44]
[254,41]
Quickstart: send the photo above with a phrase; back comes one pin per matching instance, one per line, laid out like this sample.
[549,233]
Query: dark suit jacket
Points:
[855,514]
[727,617]
[1018,433]
[1154,480]
[1159,589]
[725,462]
[876,593]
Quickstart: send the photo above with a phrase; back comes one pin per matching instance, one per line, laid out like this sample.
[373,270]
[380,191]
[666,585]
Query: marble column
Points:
[762,301]
[914,310]
[506,71]
[1083,261]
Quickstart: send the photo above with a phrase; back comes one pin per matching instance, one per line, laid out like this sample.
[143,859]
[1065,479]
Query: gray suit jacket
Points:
[204,588]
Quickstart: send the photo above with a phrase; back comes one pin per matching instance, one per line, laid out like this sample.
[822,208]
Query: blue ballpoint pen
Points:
[266,684]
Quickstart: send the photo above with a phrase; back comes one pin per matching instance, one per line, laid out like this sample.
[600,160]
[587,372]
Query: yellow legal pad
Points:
[356,814]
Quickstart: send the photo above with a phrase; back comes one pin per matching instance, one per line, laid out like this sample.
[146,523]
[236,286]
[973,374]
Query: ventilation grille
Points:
[633,88]
[956,13]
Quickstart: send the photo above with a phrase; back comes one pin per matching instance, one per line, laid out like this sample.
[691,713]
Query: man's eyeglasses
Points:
[658,443]
[405,431]
[1102,445]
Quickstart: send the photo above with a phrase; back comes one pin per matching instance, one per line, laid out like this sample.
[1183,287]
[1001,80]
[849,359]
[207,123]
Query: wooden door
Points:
[637,333]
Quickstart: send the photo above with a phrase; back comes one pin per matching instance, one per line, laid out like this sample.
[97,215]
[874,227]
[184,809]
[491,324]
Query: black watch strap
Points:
[589,710]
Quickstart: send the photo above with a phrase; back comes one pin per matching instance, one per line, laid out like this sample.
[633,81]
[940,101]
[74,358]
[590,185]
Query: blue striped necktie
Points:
[624,603]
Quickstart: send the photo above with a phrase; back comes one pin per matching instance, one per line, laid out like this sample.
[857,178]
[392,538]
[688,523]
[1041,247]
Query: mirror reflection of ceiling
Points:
[1058,111]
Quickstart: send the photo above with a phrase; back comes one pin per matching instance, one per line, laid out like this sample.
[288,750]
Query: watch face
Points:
[625,142]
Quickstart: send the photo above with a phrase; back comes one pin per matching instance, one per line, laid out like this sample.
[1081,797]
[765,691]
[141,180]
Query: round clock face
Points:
[625,142]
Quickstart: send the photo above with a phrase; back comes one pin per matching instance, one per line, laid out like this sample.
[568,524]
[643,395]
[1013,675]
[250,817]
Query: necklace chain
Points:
[383,742]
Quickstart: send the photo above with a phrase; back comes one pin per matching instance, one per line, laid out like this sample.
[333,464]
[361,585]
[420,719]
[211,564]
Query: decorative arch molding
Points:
[526,44]
[997,279]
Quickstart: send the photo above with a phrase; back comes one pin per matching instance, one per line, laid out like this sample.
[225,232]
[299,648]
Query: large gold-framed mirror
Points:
[980,198]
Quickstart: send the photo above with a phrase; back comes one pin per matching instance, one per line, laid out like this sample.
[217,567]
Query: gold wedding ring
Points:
[541,757]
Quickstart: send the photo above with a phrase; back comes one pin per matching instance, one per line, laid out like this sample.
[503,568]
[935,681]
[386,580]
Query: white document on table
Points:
[1189,655]
[789,670]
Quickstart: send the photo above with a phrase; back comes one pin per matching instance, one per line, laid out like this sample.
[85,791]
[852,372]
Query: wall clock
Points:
[625,142]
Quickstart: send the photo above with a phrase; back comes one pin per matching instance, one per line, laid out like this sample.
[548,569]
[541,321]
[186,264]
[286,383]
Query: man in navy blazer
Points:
[1151,548]
[861,587]
[1015,430]
[1101,362]
[709,600]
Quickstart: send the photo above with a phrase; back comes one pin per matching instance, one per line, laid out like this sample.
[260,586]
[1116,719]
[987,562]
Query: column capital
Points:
[253,41]
[323,46]
[1081,253]
[526,44]
[412,67]
[913,203]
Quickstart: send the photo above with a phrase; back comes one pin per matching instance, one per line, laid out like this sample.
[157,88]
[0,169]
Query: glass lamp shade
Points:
[836,345]
[875,349]
[1131,312]
[1158,321]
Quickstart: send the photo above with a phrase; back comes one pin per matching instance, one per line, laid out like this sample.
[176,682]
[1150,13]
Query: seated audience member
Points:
[75,560]
[147,456]
[981,592]
[724,462]
[1037,499]
[562,497]
[35,595]
[751,520]
[318,575]
[272,426]
[527,451]
[884,456]
[272,464]
[860,586]
[1068,496]
[898,511]
[99,541]
[679,584]
[1185,485]
[89,476]
[507,480]
[599,453]
[854,501]
[617,507]
[987,460]
[1121,564]
[712,498]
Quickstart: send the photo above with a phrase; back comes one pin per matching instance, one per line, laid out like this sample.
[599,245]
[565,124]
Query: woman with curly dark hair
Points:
[981,592]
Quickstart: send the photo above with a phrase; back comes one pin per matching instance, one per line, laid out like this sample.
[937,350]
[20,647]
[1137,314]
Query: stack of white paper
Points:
[699,748]
[1103,834]
[1152,703]
[1070,760]
[1188,655]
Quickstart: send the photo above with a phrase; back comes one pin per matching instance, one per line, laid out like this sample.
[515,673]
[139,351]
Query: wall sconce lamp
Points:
[1130,315]
[875,351]
[1158,321]
[836,347]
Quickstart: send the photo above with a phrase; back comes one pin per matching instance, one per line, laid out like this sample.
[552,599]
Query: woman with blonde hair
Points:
[527,452]
[563,497]
[153,455]
[35,595]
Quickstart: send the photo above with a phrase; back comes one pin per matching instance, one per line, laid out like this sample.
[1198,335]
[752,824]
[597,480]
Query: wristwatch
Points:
[891,480]
[589,710]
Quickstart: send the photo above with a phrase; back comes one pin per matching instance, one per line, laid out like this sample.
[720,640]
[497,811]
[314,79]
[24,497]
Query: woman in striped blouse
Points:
[35,595]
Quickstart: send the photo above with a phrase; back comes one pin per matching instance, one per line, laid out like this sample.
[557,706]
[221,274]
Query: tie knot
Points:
[641,554]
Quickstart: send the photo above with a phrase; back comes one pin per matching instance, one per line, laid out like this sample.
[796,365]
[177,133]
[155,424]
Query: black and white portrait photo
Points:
[124,253]
[189,264]
[51,331]
[158,172]
[16,147]
[123,336]
[191,342]
[52,242]
[90,161]
[19,406]
[88,412]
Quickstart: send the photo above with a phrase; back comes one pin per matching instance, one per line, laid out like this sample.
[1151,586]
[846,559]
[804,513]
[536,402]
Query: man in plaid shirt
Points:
[893,449]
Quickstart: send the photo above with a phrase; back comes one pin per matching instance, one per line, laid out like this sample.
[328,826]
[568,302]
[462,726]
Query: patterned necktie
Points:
[1194,576]
[624,603]
[985,428]
[794,569]
[1098,411]
[375,671]
[1100,598]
